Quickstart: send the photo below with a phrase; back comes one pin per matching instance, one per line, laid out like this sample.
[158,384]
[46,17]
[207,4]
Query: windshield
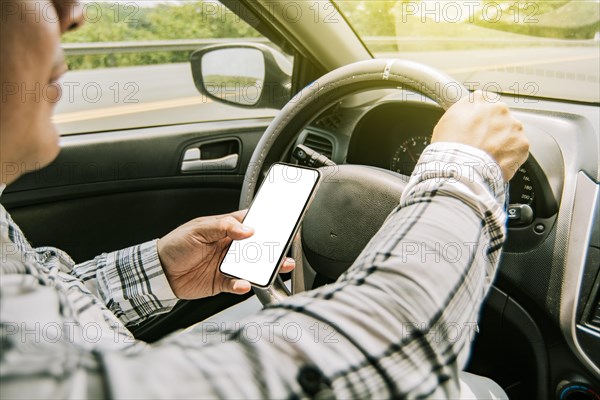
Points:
[527,48]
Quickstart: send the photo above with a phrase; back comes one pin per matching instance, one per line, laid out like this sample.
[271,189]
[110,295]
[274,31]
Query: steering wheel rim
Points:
[319,95]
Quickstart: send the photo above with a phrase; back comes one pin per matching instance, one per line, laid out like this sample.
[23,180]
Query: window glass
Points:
[129,65]
[529,48]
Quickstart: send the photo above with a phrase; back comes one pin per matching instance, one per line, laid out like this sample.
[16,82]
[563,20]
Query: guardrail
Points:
[78,49]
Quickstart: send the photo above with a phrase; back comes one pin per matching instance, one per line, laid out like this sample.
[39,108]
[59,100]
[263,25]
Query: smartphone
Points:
[275,215]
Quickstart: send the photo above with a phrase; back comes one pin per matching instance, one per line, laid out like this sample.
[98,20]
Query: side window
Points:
[129,66]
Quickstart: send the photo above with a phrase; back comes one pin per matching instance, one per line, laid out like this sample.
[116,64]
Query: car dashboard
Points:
[547,284]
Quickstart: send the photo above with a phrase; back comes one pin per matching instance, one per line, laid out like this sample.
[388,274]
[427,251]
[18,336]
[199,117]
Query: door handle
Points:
[228,162]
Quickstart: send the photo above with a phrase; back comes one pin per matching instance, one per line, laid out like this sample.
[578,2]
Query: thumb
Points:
[220,228]
[239,231]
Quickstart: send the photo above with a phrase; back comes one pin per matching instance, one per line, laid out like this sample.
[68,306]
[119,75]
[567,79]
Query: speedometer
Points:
[405,157]
[521,188]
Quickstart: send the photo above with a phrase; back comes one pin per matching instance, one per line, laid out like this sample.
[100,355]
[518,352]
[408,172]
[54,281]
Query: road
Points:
[568,72]
[118,98]
[131,97]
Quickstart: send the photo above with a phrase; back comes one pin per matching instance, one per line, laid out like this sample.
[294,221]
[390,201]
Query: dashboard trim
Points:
[584,205]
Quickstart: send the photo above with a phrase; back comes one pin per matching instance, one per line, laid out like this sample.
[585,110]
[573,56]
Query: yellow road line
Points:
[519,64]
[128,109]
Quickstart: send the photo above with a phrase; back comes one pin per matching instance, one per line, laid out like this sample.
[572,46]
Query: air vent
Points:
[319,144]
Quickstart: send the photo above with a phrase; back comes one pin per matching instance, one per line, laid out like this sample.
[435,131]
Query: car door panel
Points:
[88,226]
[107,191]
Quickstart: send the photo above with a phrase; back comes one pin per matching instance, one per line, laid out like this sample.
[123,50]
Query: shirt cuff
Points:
[467,169]
[136,284]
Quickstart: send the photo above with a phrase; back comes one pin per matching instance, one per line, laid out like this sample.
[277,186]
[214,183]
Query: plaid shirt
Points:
[397,324]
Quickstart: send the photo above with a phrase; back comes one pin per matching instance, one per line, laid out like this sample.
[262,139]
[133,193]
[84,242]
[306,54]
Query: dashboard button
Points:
[519,214]
[539,228]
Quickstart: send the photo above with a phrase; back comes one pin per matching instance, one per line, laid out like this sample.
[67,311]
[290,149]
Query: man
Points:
[352,338]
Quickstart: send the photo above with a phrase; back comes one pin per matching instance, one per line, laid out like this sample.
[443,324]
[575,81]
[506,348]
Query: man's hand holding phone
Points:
[191,255]
[258,260]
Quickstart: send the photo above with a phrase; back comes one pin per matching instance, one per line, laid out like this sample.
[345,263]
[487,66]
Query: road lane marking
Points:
[86,115]
[519,64]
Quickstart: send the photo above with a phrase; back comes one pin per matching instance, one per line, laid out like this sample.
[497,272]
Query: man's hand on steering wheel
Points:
[487,126]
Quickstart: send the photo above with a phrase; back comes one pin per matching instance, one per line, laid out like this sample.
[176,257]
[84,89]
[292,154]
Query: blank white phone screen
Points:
[273,215]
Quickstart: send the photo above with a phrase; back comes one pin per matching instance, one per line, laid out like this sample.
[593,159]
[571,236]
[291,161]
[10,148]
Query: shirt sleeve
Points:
[397,324]
[131,282]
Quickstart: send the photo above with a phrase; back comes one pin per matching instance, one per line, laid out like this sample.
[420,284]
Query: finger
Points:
[288,265]
[236,286]
[221,228]
[477,97]
[239,231]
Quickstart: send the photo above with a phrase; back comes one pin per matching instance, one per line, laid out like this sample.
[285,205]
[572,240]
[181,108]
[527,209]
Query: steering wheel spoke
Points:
[298,274]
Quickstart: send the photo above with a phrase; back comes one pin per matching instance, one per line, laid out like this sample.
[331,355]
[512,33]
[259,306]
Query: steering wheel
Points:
[352,201]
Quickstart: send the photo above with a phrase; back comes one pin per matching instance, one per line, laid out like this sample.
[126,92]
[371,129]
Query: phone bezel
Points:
[294,230]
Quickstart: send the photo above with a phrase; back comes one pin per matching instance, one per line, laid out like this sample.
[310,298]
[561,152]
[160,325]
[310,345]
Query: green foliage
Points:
[504,22]
[552,19]
[118,22]
[198,19]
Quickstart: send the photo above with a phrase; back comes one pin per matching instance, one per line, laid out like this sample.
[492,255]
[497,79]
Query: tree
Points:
[117,22]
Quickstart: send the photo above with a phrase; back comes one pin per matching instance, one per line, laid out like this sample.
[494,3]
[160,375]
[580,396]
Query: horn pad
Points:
[350,206]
